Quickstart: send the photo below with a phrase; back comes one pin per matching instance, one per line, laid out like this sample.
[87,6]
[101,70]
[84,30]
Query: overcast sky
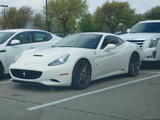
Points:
[140,5]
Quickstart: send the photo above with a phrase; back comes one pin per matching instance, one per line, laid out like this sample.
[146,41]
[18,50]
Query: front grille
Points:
[138,42]
[26,74]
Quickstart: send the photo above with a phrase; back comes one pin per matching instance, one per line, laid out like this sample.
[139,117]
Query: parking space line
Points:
[89,93]
[5,82]
[150,72]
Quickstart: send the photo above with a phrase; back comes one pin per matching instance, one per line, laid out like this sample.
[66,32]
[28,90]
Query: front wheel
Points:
[1,71]
[81,75]
[134,65]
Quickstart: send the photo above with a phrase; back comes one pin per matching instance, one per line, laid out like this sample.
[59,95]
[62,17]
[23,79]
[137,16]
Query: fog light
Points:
[154,53]
[53,80]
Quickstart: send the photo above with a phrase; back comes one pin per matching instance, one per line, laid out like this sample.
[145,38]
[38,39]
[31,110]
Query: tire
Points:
[1,71]
[134,65]
[81,75]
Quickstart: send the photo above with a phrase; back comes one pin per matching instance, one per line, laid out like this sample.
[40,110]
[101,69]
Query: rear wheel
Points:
[1,71]
[134,65]
[81,75]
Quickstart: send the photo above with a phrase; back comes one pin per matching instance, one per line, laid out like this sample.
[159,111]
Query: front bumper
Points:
[60,75]
[149,54]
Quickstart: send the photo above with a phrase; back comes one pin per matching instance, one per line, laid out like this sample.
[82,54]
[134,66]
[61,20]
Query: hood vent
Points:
[38,55]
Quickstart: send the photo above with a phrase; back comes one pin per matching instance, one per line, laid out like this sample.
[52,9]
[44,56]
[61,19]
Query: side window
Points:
[24,37]
[105,42]
[41,36]
[118,40]
[111,40]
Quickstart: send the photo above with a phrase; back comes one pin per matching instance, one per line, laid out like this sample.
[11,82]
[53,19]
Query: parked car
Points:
[147,35]
[78,59]
[13,42]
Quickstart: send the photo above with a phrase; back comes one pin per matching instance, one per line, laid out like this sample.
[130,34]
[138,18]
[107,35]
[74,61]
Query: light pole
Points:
[4,6]
[47,15]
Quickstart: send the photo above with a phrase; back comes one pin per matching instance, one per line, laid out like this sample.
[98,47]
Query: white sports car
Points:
[78,59]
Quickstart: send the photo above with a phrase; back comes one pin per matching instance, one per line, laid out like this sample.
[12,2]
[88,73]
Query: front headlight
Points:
[154,43]
[60,60]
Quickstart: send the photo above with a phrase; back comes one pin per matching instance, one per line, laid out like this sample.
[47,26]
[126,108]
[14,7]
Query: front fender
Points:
[3,60]
[88,56]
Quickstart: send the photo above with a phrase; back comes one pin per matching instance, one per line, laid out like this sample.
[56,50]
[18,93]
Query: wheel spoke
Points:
[134,65]
[82,75]
[84,69]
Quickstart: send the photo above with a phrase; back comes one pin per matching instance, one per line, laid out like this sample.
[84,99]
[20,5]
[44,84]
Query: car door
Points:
[42,40]
[109,61]
[118,54]
[12,51]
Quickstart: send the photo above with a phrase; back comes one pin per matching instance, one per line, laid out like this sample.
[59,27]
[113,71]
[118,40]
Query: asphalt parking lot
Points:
[115,98]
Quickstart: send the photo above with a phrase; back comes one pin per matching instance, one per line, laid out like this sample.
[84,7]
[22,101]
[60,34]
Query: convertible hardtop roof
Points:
[98,33]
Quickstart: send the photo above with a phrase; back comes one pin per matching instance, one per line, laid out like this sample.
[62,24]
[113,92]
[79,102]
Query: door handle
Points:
[2,51]
[31,47]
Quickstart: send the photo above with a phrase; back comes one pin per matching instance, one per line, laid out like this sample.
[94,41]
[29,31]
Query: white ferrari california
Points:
[78,59]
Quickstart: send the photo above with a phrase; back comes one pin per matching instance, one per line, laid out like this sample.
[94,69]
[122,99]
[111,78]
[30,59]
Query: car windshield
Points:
[146,28]
[5,36]
[89,41]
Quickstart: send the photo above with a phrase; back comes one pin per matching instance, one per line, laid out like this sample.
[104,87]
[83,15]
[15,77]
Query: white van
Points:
[13,42]
[147,35]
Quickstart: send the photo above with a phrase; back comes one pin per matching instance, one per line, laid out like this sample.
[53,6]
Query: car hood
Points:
[140,36]
[46,56]
[2,47]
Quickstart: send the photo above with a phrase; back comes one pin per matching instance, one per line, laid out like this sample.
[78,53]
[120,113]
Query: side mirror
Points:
[109,46]
[128,30]
[15,42]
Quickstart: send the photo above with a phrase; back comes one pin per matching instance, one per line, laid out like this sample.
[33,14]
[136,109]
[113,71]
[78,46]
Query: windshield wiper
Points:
[133,32]
[65,46]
